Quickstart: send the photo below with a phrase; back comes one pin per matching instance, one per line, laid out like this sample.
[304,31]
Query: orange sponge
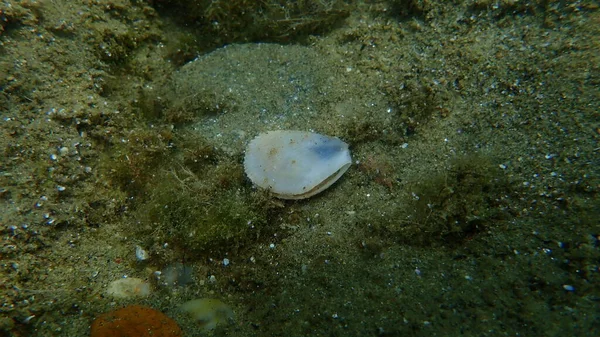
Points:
[135,320]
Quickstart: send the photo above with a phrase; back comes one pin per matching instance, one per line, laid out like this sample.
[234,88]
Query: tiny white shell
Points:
[295,164]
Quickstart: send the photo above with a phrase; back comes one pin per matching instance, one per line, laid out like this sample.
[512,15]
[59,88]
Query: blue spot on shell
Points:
[328,148]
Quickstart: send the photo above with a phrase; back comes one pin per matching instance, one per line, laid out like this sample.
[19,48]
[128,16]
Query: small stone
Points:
[135,320]
[177,274]
[208,312]
[141,254]
[568,287]
[128,287]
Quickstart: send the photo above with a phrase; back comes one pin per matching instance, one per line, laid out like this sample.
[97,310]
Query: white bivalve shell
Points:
[295,164]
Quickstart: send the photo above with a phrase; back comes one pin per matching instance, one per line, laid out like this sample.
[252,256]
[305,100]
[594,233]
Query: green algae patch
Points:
[197,216]
[452,205]
[223,22]
[184,191]
[417,104]
[131,165]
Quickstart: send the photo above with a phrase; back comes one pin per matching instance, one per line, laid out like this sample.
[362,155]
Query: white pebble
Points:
[141,254]
[128,287]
